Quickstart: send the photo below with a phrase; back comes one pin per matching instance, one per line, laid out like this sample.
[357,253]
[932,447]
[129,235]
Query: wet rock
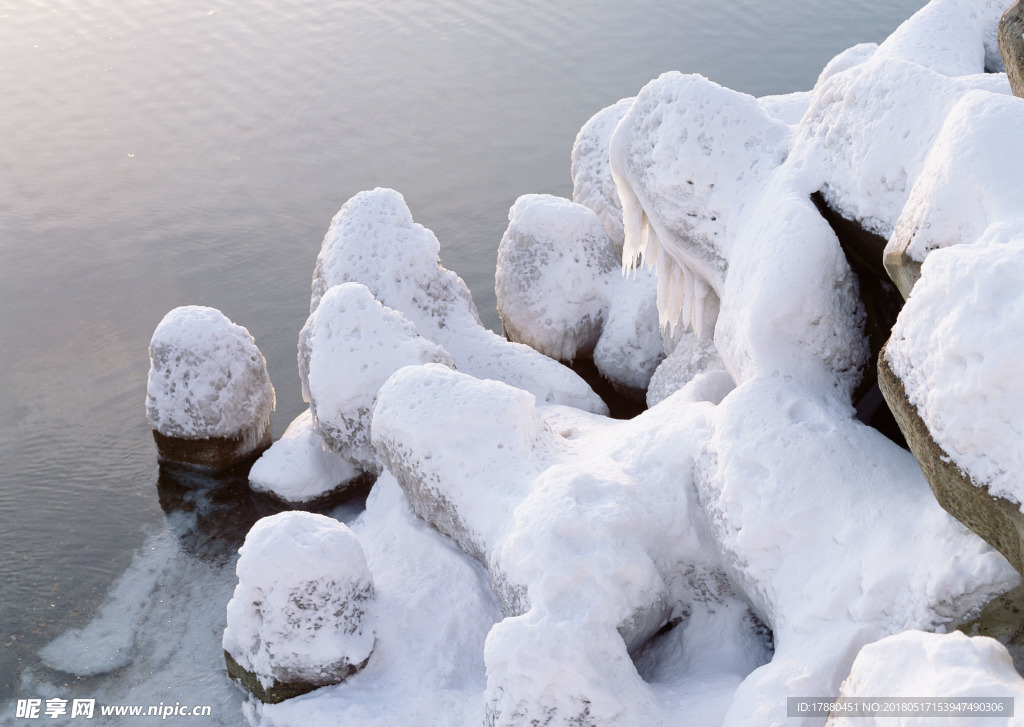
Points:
[301,616]
[208,398]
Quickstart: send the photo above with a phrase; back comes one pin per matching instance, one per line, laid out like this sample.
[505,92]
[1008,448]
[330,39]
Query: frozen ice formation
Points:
[686,159]
[350,345]
[302,615]
[299,470]
[561,291]
[373,240]
[208,398]
[951,667]
[592,182]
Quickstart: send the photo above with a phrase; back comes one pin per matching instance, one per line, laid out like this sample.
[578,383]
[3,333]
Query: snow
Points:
[561,290]
[915,664]
[298,468]
[206,378]
[347,349]
[373,240]
[969,179]
[691,356]
[592,182]
[552,276]
[870,128]
[959,360]
[304,604]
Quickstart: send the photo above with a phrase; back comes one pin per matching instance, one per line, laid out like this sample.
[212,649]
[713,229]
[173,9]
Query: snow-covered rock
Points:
[299,469]
[561,290]
[691,356]
[967,188]
[915,665]
[302,614]
[208,398]
[592,182]
[593,543]
[374,241]
[348,348]
[870,128]
[687,159]
[551,281]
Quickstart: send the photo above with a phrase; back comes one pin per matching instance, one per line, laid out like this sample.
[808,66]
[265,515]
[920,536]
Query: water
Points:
[156,154]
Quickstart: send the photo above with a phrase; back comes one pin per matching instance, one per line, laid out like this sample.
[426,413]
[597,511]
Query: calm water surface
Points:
[155,154]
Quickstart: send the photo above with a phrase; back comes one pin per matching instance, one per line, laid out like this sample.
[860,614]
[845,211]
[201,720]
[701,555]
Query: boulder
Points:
[997,520]
[301,615]
[208,398]
[1011,46]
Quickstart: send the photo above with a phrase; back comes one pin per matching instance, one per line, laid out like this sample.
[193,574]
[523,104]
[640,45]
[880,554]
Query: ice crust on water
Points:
[347,349]
[206,378]
[298,467]
[916,664]
[303,605]
[373,240]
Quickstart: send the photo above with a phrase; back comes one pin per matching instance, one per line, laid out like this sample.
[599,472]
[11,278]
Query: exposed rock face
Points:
[1011,46]
[997,520]
[208,397]
[301,616]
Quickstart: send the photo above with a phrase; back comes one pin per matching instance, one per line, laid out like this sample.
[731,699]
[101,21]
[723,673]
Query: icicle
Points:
[687,307]
[700,296]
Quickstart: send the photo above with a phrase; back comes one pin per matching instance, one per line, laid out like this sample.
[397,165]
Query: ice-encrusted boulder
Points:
[690,356]
[301,616]
[374,241]
[915,665]
[299,471]
[561,290]
[350,345]
[592,182]
[208,397]
[687,158]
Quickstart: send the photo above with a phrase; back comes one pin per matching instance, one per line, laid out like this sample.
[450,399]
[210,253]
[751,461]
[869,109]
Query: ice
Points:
[298,467]
[592,183]
[947,667]
[686,159]
[691,356]
[206,378]
[303,609]
[347,349]
[373,240]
